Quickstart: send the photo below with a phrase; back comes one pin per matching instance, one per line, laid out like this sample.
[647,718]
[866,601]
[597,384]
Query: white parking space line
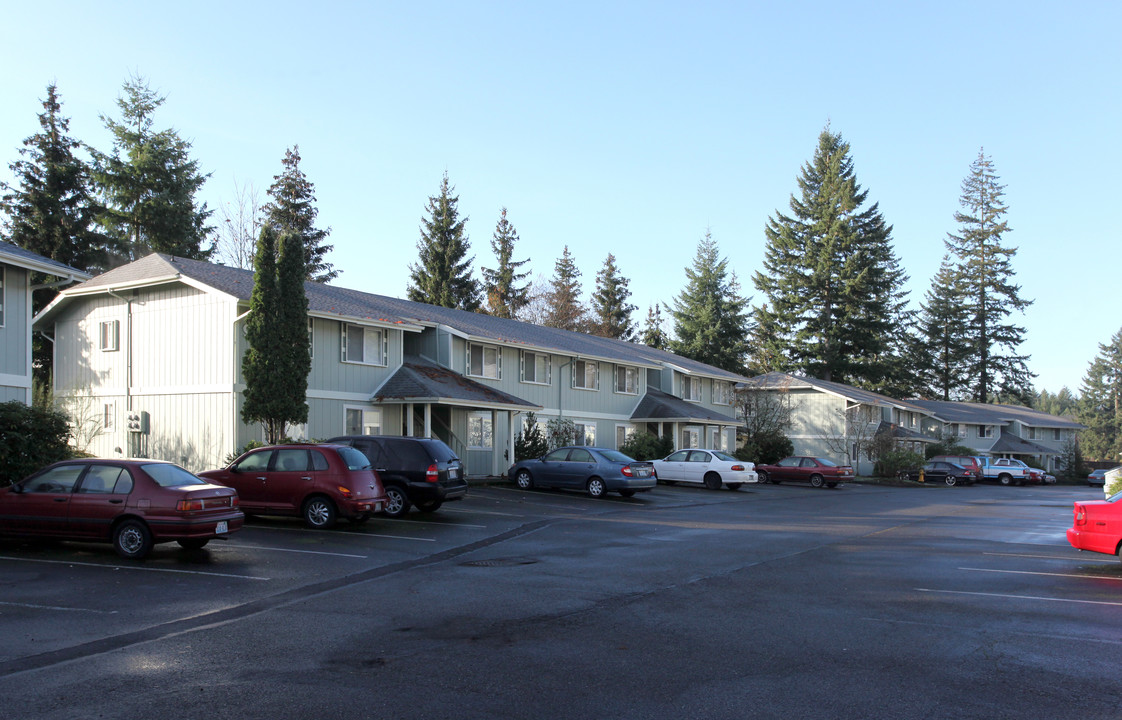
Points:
[32,606]
[132,567]
[336,533]
[1045,574]
[1054,557]
[305,552]
[1020,597]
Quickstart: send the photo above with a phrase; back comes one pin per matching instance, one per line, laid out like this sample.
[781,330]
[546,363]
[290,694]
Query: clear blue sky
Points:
[626,127]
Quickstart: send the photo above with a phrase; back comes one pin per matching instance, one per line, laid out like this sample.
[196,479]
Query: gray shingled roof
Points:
[1014,445]
[331,300]
[986,414]
[418,379]
[786,381]
[657,406]
[15,255]
[902,433]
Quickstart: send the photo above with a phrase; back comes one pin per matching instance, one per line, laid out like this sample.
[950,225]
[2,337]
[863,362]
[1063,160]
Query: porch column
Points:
[409,420]
[428,420]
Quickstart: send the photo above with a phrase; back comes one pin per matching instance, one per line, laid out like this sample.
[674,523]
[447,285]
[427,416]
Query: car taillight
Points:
[626,470]
[234,501]
[189,505]
[432,474]
[1080,515]
[737,468]
[344,491]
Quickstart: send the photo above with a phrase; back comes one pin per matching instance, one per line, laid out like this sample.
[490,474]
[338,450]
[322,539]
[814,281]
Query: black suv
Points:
[415,471]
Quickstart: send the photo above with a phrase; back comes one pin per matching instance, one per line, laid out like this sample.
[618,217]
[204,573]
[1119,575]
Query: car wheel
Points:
[951,480]
[397,504]
[429,505]
[132,539]
[596,487]
[761,477]
[816,480]
[193,543]
[524,480]
[712,481]
[319,513]
[732,486]
[1005,479]
[627,493]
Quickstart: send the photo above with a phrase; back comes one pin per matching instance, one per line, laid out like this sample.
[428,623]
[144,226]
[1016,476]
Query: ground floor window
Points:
[623,434]
[363,421]
[481,430]
[586,433]
[691,437]
[715,436]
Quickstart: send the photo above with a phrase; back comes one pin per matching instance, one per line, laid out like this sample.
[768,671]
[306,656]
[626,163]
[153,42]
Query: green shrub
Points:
[1113,486]
[765,448]
[947,446]
[246,448]
[647,446]
[530,441]
[30,437]
[890,463]
[560,432]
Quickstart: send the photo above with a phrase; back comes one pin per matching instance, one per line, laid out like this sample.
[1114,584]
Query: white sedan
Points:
[708,467]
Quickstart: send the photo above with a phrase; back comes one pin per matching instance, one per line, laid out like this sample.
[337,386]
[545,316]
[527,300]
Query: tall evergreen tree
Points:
[506,293]
[442,275]
[611,313]
[994,365]
[149,182]
[940,357]
[653,334]
[564,307]
[711,322]
[52,211]
[277,361]
[1100,403]
[293,210]
[831,281]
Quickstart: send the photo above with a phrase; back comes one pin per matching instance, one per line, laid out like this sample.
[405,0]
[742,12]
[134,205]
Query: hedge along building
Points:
[155,348]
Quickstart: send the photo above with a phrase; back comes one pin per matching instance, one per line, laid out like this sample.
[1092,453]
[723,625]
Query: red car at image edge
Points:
[1097,526]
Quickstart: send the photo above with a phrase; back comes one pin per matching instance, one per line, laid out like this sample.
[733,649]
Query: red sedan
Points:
[133,504]
[814,470]
[1098,526]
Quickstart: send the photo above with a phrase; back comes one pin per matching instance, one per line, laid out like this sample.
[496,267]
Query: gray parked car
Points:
[597,471]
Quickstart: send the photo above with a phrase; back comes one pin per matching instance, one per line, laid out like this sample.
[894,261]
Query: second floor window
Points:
[484,361]
[691,389]
[1056,434]
[627,380]
[586,375]
[535,367]
[364,345]
[722,392]
[110,331]
[985,431]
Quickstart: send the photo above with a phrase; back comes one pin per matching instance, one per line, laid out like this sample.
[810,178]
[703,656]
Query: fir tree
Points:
[149,182]
[293,210]
[940,356]
[985,263]
[506,294]
[442,275]
[1100,404]
[277,361]
[611,313]
[711,321]
[831,281]
[564,307]
[653,334]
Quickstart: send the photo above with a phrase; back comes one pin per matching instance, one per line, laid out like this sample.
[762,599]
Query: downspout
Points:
[561,385]
[234,380]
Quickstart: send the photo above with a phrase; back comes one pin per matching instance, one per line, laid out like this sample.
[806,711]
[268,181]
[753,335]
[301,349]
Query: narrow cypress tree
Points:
[565,309]
[149,182]
[831,280]
[986,264]
[505,295]
[611,313]
[941,355]
[442,275]
[293,210]
[711,321]
[276,363]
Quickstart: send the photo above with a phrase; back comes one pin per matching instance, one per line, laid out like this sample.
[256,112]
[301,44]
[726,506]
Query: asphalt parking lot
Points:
[771,601]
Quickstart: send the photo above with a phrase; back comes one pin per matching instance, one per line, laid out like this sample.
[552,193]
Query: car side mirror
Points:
[17,489]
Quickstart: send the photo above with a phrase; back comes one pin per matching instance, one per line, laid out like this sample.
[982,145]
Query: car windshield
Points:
[614,456]
[168,475]
[722,456]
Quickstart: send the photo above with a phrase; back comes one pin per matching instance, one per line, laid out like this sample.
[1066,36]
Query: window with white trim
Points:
[985,431]
[485,361]
[586,375]
[110,335]
[108,415]
[623,434]
[715,436]
[691,437]
[535,368]
[1033,433]
[627,380]
[722,393]
[481,430]
[691,389]
[585,433]
[365,345]
[363,421]
[310,353]
[1056,434]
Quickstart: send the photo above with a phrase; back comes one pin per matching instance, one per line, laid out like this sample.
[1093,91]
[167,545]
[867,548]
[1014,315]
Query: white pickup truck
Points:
[1005,470]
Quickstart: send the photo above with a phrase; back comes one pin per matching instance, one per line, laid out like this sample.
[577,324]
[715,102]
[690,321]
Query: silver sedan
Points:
[705,467]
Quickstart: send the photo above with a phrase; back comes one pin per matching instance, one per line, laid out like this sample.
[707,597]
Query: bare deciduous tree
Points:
[856,430]
[240,226]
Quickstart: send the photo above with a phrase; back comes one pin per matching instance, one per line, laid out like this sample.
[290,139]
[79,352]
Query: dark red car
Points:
[316,482]
[1098,526]
[132,503]
[814,470]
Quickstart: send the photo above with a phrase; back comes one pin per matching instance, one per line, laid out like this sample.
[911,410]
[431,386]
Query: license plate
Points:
[222,527]
[453,473]
[644,472]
